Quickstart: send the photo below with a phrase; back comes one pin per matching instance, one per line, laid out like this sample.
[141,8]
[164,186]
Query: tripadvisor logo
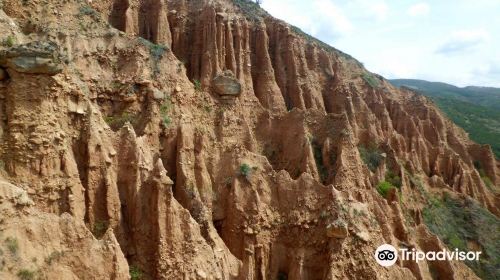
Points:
[387,255]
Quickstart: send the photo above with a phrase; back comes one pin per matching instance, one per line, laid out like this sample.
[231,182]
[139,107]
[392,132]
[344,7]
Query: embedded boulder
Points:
[337,229]
[32,58]
[226,84]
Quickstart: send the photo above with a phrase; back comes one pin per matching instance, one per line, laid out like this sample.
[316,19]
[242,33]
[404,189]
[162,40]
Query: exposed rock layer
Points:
[192,187]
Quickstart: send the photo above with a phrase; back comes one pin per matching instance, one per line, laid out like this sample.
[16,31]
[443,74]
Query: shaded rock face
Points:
[120,149]
[3,74]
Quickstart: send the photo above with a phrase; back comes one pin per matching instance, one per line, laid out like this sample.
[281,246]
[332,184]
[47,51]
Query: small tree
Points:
[258,2]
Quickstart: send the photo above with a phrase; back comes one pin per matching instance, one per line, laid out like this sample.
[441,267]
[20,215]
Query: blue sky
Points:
[452,41]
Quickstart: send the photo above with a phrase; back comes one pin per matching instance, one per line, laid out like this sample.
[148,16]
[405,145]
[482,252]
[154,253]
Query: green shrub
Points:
[12,244]
[394,179]
[25,274]
[164,112]
[135,273]
[246,171]
[10,41]
[384,187]
[117,122]
[100,228]
[371,156]
[197,85]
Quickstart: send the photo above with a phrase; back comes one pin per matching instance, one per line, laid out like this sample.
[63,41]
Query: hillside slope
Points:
[475,109]
[208,140]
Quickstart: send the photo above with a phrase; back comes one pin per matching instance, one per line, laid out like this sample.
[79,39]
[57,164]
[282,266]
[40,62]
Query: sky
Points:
[451,41]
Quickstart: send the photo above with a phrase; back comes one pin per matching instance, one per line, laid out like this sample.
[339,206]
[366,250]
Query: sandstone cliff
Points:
[132,157]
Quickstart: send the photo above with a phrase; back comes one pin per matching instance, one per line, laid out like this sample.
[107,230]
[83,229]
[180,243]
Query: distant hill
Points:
[475,109]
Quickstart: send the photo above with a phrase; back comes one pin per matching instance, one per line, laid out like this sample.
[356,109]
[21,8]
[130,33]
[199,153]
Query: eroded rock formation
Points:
[132,139]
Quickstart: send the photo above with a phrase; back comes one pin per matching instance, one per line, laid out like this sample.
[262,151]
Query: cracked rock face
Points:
[121,164]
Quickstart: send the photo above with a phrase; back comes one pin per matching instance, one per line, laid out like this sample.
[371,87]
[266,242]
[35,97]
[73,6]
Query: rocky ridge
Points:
[114,127]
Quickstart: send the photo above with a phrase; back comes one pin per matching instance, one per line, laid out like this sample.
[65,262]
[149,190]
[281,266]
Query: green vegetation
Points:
[371,156]
[475,109]
[135,273]
[12,244]
[165,110]
[156,51]
[393,179]
[384,187]
[318,158]
[251,9]
[370,80]
[487,180]
[87,11]
[53,257]
[10,41]
[197,85]
[100,228]
[116,122]
[462,222]
[246,171]
[25,274]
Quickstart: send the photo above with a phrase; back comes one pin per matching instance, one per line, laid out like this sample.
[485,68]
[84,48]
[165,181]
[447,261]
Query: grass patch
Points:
[370,80]
[135,273]
[371,156]
[53,257]
[26,274]
[116,122]
[165,111]
[251,9]
[458,221]
[12,244]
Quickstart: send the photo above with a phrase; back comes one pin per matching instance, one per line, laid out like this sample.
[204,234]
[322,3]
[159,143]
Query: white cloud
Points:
[316,17]
[419,9]
[379,10]
[464,40]
[372,10]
